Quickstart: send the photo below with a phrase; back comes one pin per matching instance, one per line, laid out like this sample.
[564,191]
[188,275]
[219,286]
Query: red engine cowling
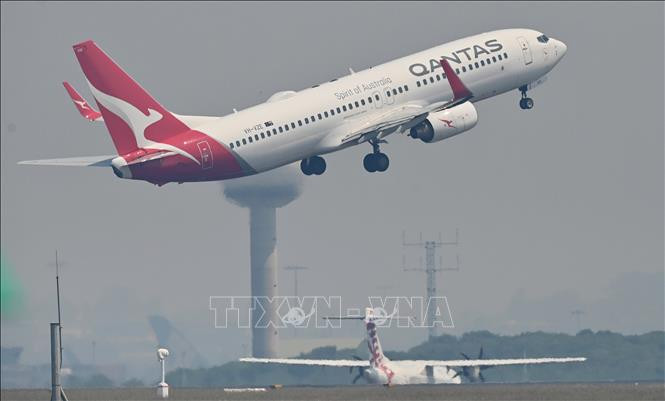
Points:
[446,123]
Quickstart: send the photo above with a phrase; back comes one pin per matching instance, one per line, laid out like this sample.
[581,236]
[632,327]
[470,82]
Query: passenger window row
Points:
[471,66]
[313,118]
[395,91]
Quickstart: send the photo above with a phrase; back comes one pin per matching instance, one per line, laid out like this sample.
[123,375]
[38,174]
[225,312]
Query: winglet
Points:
[82,105]
[460,91]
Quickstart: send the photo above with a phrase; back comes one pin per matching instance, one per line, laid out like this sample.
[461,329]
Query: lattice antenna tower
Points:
[430,269]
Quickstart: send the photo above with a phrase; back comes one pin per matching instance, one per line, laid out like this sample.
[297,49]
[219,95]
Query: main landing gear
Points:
[314,165]
[526,103]
[376,161]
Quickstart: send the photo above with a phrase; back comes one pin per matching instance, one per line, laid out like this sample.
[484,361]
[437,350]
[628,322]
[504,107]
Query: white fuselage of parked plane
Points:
[410,372]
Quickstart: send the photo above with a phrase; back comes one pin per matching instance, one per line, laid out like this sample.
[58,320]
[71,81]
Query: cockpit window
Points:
[543,38]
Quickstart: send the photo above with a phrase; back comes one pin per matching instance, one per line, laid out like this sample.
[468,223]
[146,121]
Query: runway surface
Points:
[550,392]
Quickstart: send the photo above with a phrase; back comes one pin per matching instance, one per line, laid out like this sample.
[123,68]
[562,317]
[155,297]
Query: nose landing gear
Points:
[376,161]
[526,103]
[314,165]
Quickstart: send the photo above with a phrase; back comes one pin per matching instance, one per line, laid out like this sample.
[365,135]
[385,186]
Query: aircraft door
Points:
[375,99]
[526,51]
[388,99]
[206,155]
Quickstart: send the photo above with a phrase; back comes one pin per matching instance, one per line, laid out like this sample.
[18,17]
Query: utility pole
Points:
[56,386]
[430,270]
[57,392]
[57,290]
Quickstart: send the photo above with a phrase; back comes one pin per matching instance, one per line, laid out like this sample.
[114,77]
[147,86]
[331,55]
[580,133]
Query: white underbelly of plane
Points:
[278,154]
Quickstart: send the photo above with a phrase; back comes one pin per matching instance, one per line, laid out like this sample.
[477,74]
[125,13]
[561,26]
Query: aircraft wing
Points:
[405,116]
[88,161]
[382,124]
[342,363]
[496,362]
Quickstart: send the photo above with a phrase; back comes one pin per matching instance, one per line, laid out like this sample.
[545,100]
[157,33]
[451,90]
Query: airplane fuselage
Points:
[409,372]
[293,126]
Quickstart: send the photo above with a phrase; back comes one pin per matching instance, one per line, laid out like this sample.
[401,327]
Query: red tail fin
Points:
[133,117]
[375,350]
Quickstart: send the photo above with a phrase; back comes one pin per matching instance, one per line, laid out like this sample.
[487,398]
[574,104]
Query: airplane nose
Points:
[561,48]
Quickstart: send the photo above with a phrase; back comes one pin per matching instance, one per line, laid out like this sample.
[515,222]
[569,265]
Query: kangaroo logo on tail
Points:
[137,121]
[117,93]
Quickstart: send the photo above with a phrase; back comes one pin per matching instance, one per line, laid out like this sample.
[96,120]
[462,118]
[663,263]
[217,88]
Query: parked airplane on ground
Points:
[428,95]
[380,370]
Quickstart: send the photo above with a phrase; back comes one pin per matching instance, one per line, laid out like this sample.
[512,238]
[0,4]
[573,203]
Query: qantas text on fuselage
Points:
[420,69]
[428,95]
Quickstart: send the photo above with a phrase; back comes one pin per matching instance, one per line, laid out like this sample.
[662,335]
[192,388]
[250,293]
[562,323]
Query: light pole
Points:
[162,387]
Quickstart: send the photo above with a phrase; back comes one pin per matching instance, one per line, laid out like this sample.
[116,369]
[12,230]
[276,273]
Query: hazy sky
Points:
[559,208]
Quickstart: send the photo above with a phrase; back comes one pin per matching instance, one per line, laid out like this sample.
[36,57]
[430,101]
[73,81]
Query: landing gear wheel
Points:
[313,165]
[305,167]
[381,162]
[318,165]
[374,162]
[368,162]
[526,103]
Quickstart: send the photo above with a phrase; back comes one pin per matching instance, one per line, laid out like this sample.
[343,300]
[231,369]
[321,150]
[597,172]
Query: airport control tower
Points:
[262,194]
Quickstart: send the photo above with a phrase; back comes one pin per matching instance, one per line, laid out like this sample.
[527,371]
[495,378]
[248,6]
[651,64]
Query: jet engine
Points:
[446,123]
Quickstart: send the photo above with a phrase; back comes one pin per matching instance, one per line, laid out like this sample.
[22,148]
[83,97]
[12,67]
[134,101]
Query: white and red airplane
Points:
[380,370]
[428,95]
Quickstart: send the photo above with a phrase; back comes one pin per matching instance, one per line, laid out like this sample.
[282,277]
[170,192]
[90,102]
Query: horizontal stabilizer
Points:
[87,161]
[82,105]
